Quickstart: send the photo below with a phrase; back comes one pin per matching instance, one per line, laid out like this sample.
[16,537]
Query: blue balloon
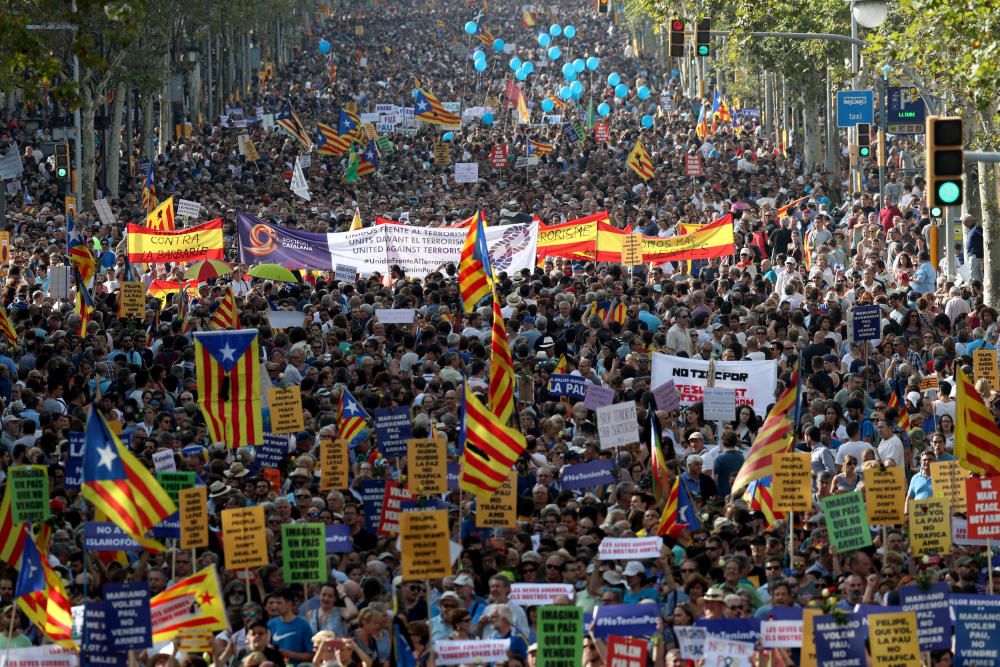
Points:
[576,87]
[647,122]
[621,90]
[555,29]
[593,62]
[614,79]
[569,32]
[478,55]
[570,76]
[324,46]
[603,109]
[643,92]
[498,45]
[528,66]
[568,69]
[481,65]
[521,74]
[565,93]
[554,53]
[544,39]
[515,63]
[579,65]
[471,27]
[548,105]
[576,95]
[447,136]
[487,119]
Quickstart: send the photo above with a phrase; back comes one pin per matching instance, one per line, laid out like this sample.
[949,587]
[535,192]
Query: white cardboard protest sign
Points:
[466,172]
[630,548]
[103,207]
[617,425]
[284,319]
[345,273]
[163,461]
[188,209]
[781,634]
[472,651]
[532,595]
[395,315]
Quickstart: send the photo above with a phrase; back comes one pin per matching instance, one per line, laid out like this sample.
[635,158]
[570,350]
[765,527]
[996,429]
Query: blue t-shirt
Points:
[295,635]
[920,487]
[650,593]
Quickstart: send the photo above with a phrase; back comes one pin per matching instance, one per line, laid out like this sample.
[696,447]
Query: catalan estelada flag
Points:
[773,438]
[226,316]
[640,162]
[701,130]
[227,365]
[42,598]
[329,141]
[618,312]
[84,304]
[203,591]
[289,121]
[428,108]
[12,535]
[475,272]
[658,462]
[352,422]
[162,217]
[501,389]
[489,448]
[7,327]
[758,497]
[368,162]
[484,35]
[349,125]
[149,200]
[977,437]
[538,148]
[117,483]
[79,252]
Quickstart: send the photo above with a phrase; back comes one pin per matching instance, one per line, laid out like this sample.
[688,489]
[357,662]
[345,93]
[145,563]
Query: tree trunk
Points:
[114,148]
[86,175]
[989,197]
[166,105]
[147,126]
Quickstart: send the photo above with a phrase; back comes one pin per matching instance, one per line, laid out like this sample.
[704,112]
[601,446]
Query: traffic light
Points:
[677,38]
[864,140]
[703,37]
[602,6]
[62,161]
[945,161]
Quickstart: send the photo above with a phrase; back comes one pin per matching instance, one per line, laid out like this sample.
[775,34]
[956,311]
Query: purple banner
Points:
[262,242]
[588,475]
[933,614]
[628,620]
[840,642]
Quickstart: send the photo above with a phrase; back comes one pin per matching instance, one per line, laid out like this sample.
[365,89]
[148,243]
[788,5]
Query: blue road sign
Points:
[855,106]
[907,111]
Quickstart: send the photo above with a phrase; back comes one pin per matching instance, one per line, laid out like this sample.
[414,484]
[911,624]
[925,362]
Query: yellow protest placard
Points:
[984,365]
[885,496]
[791,484]
[426,466]
[426,554]
[70,205]
[369,131]
[949,483]
[250,150]
[132,299]
[631,250]
[193,509]
[243,537]
[808,638]
[333,465]
[286,409]
[930,526]
[442,156]
[894,640]
[500,509]
[4,248]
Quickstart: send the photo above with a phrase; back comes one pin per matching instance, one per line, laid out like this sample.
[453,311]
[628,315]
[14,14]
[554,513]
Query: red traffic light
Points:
[677,25]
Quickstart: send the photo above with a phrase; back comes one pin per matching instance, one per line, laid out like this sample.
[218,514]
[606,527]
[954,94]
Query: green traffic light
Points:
[936,212]
[61,172]
[865,152]
[948,192]
[702,49]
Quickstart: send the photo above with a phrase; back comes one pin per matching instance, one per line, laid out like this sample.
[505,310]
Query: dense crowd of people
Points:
[783,295]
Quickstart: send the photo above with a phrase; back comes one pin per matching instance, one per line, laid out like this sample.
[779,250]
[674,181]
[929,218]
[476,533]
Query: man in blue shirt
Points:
[920,485]
[974,247]
[925,277]
[289,632]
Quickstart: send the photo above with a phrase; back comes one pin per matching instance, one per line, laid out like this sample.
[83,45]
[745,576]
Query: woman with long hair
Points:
[746,424]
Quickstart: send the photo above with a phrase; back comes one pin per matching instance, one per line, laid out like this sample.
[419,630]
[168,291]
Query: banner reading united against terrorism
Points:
[419,251]
[188,245]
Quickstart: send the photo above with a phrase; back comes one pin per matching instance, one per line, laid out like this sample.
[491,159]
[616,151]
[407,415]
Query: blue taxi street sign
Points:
[855,106]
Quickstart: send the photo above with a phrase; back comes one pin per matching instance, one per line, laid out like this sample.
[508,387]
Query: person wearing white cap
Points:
[635,580]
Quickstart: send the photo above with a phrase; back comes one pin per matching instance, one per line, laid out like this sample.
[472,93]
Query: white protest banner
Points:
[163,460]
[960,533]
[299,185]
[533,595]
[10,164]
[267,121]
[719,403]
[103,207]
[241,142]
[691,640]
[420,251]
[630,548]
[284,319]
[305,160]
[721,652]
[395,315]
[754,381]
[466,172]
[470,651]
[345,273]
[188,209]
[781,634]
[59,282]
[617,425]
[48,655]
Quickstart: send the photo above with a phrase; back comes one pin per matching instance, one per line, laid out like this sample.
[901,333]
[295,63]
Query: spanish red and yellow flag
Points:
[640,162]
[193,244]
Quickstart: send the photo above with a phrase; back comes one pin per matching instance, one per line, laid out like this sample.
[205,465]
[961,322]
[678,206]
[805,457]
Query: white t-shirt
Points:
[855,448]
[892,448]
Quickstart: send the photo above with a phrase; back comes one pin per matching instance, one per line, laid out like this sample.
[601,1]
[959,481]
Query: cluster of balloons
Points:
[521,69]
[545,39]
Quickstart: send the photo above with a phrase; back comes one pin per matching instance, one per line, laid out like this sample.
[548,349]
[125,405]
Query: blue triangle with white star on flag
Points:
[226,347]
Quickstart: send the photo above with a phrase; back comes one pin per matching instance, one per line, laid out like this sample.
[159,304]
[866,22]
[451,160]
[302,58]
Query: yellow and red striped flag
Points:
[208,615]
[352,421]
[226,316]
[662,490]
[640,162]
[977,437]
[329,141]
[489,449]
[475,273]
[42,598]
[227,365]
[7,327]
[561,365]
[783,211]
[538,148]
[758,497]
[120,486]
[12,535]
[149,201]
[161,219]
[773,438]
[501,394]
[903,421]
[429,109]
